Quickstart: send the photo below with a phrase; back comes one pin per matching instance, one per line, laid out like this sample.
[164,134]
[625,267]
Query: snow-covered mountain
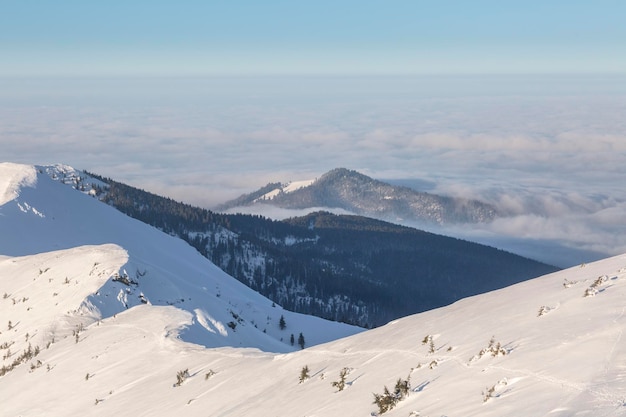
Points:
[345,268]
[354,192]
[143,266]
[77,341]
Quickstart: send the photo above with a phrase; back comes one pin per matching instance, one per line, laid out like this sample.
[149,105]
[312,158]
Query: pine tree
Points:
[341,384]
[301,341]
[282,323]
[304,374]
[181,376]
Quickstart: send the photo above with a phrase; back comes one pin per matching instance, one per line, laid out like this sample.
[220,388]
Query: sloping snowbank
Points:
[12,178]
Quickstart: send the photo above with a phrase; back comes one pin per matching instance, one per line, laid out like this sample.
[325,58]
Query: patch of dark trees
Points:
[345,268]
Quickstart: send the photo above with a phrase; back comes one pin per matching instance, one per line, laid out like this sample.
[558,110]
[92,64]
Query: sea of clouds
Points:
[548,151]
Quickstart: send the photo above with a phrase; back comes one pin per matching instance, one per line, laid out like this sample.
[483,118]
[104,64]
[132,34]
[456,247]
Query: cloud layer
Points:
[548,151]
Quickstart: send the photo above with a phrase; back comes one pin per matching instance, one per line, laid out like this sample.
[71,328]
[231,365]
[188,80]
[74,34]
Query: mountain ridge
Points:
[333,272]
[357,193]
[547,346]
[47,217]
[552,345]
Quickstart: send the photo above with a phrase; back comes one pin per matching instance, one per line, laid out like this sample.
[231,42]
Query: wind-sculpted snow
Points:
[12,178]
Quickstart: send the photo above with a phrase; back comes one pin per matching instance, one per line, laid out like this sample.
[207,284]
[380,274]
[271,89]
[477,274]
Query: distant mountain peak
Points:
[344,172]
[350,190]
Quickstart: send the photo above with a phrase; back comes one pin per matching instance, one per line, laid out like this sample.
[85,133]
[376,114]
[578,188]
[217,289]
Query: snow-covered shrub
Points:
[6,345]
[124,279]
[341,383]
[593,288]
[488,393]
[388,400]
[34,366]
[304,374]
[385,401]
[181,376]
[428,340]
[494,348]
[491,392]
[567,283]
[543,310]
[25,356]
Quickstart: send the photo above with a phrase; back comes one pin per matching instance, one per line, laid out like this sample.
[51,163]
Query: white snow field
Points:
[76,342]
[285,188]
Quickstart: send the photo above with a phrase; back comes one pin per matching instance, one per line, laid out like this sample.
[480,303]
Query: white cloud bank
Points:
[549,151]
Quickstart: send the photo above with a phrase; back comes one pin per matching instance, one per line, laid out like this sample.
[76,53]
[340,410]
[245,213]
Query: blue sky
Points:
[141,37]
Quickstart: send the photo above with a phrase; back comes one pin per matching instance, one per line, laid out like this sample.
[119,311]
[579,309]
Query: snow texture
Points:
[70,348]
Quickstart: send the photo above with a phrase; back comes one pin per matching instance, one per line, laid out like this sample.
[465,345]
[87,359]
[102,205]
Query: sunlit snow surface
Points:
[158,269]
[286,188]
[561,349]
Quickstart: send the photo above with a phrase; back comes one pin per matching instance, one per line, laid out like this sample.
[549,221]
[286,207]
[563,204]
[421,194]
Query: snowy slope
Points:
[570,361]
[558,346]
[284,188]
[43,215]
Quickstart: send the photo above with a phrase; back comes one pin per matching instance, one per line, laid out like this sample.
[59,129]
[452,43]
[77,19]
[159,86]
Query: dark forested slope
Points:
[348,268]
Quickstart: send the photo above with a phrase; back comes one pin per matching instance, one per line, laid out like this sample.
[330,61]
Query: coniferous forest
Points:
[345,268]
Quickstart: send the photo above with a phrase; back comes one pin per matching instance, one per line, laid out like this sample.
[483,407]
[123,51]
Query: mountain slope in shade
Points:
[357,193]
[552,346]
[347,268]
[127,264]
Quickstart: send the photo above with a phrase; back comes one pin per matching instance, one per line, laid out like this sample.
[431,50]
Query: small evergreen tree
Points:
[282,323]
[402,388]
[181,376]
[304,373]
[292,339]
[341,384]
[385,401]
[301,341]
[388,400]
